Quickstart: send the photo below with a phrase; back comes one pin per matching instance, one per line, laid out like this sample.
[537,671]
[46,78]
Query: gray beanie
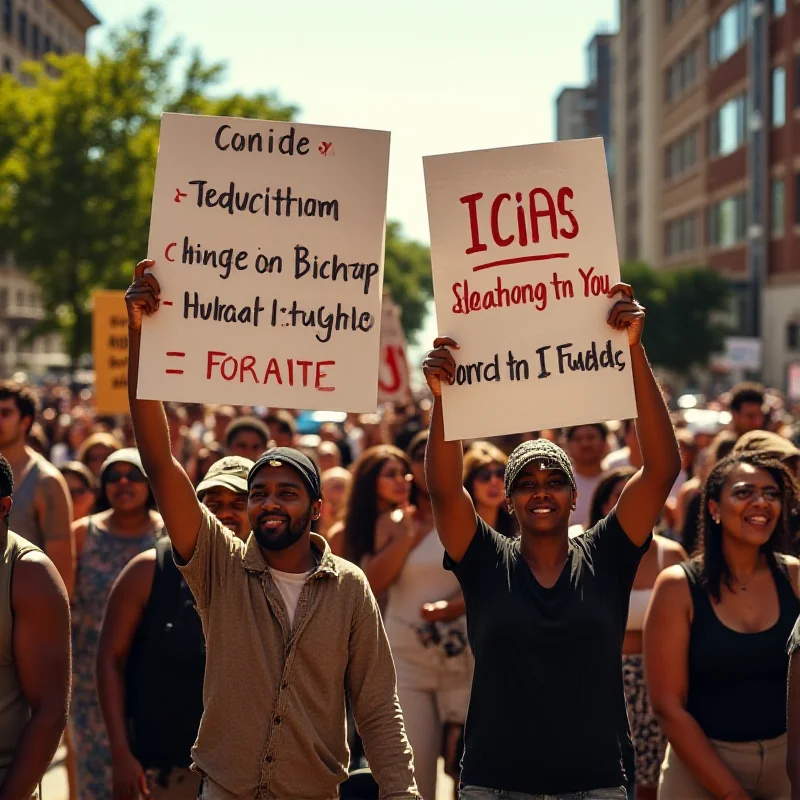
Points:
[537,450]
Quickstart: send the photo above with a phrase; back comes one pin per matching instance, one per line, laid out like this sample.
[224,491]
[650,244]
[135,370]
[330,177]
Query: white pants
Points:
[433,691]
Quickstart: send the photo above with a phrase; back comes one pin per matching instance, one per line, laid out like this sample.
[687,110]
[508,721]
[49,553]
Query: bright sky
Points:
[441,75]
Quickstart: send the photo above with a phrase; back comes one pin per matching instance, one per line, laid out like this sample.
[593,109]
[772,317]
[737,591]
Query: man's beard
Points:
[287,536]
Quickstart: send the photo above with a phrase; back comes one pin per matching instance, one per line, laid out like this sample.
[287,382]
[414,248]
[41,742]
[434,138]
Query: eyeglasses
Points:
[134,476]
[485,474]
[79,491]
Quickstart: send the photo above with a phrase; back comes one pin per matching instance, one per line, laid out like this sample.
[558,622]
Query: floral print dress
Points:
[103,557]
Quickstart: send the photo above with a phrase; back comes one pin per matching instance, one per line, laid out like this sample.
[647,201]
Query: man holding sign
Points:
[546,614]
[291,630]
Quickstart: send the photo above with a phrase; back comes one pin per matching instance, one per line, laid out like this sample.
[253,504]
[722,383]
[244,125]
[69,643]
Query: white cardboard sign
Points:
[524,251]
[394,385]
[268,239]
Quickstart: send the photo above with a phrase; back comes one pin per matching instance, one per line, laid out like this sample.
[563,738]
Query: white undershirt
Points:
[290,584]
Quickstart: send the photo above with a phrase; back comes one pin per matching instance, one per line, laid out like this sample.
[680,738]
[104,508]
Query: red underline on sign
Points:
[174,372]
[519,260]
[179,355]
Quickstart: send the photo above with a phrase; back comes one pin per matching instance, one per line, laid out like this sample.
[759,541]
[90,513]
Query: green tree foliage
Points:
[685,313]
[78,146]
[407,276]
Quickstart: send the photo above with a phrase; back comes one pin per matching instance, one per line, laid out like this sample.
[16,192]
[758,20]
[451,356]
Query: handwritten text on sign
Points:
[110,352]
[268,242]
[524,253]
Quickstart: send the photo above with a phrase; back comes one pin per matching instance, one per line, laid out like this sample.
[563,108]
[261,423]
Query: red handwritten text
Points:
[538,205]
[291,371]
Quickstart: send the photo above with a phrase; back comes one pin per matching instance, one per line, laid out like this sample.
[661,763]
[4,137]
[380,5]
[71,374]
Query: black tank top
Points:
[164,672]
[737,681]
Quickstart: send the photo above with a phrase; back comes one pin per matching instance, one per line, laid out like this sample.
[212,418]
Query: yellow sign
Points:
[110,351]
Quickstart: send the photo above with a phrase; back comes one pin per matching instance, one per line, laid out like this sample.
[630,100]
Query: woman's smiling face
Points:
[750,505]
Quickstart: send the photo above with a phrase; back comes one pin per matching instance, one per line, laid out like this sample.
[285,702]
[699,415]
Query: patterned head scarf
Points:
[542,450]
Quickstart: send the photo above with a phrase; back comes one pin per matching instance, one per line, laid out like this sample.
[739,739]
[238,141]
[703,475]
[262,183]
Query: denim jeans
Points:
[479,793]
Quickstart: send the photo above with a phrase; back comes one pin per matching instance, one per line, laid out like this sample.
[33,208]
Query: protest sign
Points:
[524,252]
[393,378]
[268,241]
[110,352]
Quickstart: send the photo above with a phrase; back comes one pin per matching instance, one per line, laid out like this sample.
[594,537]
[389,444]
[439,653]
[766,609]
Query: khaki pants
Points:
[181,784]
[760,767]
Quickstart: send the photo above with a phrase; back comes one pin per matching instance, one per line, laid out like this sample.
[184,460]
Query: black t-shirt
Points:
[547,711]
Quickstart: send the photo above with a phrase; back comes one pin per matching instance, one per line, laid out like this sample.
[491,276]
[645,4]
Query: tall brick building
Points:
[707,125]
[29,29]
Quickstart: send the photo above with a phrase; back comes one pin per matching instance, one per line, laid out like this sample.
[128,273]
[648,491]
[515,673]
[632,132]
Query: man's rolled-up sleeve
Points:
[212,555]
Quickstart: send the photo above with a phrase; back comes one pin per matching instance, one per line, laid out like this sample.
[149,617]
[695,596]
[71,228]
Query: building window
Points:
[728,33]
[8,16]
[726,221]
[673,9]
[777,205]
[4,297]
[680,235]
[682,73]
[47,46]
[778,97]
[727,127]
[36,43]
[792,336]
[8,64]
[797,198]
[22,25]
[797,81]
[681,155]
[778,8]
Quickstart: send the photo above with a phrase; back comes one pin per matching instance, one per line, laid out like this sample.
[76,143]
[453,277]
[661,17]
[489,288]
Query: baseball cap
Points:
[229,473]
[537,450]
[288,456]
[766,442]
[127,455]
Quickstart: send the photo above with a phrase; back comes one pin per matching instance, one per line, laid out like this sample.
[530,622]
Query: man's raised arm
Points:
[171,486]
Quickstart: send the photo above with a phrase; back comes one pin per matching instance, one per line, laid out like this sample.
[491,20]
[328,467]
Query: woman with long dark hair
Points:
[484,468]
[381,483]
[648,741]
[423,609]
[715,640]
[123,525]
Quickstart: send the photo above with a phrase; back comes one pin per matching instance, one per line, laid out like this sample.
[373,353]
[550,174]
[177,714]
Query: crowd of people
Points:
[253,610]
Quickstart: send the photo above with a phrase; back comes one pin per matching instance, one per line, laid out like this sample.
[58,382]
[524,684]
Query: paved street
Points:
[55,782]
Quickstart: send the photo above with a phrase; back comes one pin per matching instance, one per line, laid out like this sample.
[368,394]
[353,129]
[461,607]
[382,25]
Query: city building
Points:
[598,98]
[570,113]
[29,29]
[706,125]
[586,111]
[636,105]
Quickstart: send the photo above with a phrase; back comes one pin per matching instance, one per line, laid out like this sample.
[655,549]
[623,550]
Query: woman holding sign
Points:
[546,613]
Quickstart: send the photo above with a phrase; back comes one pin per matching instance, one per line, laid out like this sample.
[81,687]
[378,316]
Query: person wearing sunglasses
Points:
[82,485]
[123,525]
[151,655]
[484,470]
